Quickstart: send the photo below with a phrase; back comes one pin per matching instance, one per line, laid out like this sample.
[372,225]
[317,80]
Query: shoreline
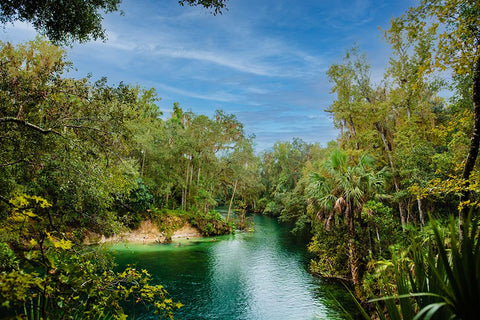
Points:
[146,233]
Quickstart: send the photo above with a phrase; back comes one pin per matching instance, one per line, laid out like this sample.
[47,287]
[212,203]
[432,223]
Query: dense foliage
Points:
[405,160]
[78,157]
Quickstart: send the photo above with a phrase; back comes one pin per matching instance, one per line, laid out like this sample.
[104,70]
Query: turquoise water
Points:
[258,275]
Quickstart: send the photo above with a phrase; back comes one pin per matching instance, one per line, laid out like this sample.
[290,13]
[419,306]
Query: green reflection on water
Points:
[259,275]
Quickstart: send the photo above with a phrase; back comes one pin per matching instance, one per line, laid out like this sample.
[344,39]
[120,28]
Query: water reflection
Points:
[260,275]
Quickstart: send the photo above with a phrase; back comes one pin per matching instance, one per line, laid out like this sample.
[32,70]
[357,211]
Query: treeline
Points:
[376,200]
[77,157]
[102,154]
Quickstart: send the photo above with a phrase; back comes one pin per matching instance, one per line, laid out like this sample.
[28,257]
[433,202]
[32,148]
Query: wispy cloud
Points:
[229,42]
[256,61]
[217,96]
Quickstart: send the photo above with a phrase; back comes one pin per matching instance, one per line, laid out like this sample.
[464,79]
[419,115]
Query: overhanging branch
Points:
[29,125]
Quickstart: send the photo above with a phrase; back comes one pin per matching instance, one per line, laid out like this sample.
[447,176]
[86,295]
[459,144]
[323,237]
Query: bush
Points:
[44,275]
[211,223]
[330,250]
[8,261]
[435,278]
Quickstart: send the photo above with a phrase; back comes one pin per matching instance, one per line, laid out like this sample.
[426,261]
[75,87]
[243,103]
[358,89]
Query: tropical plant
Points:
[346,188]
[436,279]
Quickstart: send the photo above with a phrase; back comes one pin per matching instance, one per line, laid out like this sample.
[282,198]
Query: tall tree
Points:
[407,119]
[65,139]
[457,24]
[348,187]
[351,84]
[241,175]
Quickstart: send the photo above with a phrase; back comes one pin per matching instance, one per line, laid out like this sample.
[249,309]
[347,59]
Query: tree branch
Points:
[12,163]
[29,125]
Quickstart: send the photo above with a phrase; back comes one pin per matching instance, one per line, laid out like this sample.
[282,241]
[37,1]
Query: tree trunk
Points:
[388,150]
[191,177]
[231,200]
[183,198]
[190,171]
[341,130]
[420,212]
[352,251]
[185,189]
[474,141]
[354,131]
[378,238]
[143,163]
[401,208]
[328,221]
[407,105]
[409,212]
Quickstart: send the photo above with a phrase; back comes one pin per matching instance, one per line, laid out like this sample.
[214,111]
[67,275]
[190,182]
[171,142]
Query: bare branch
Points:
[29,125]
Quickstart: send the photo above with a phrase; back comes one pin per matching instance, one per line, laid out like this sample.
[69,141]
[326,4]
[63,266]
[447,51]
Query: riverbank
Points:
[147,232]
[164,226]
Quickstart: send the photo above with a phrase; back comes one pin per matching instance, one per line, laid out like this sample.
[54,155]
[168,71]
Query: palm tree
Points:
[346,188]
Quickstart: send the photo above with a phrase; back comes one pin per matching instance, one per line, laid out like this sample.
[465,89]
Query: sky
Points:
[264,61]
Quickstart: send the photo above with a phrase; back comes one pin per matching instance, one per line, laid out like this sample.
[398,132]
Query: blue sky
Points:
[263,60]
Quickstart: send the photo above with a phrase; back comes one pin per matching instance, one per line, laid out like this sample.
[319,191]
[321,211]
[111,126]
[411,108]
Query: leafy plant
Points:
[439,279]
[47,276]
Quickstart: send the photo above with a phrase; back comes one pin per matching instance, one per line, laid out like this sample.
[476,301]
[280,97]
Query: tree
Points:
[215,5]
[61,21]
[407,117]
[241,173]
[64,139]
[75,20]
[457,24]
[190,161]
[78,152]
[395,121]
[347,188]
[352,86]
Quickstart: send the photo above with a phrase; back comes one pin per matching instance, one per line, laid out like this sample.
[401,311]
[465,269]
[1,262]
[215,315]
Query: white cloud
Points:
[218,41]
[217,96]
[254,61]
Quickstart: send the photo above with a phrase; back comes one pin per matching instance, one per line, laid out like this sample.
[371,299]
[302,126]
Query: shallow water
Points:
[258,275]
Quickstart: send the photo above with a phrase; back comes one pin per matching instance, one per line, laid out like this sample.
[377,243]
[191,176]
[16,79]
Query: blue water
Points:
[257,275]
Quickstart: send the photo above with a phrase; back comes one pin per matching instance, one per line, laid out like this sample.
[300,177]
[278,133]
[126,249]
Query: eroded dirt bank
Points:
[147,232]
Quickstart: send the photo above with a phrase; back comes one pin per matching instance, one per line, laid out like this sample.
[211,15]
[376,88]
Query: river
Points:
[257,275]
